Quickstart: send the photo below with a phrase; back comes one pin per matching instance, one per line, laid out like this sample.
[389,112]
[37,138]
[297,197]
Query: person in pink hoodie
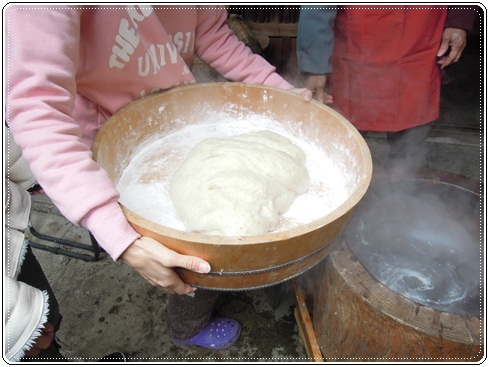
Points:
[68,69]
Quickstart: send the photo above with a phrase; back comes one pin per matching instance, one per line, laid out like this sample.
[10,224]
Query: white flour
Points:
[144,184]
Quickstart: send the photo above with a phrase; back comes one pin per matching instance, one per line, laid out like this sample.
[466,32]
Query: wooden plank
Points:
[306,330]
[275,29]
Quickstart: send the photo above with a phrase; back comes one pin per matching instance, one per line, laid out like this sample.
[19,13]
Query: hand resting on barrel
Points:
[155,261]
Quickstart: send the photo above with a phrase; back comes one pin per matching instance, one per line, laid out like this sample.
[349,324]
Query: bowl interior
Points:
[160,115]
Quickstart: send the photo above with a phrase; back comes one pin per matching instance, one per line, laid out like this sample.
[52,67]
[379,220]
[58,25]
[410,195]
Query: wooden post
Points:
[306,330]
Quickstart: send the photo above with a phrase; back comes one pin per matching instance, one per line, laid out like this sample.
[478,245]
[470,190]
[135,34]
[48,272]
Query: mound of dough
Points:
[238,186]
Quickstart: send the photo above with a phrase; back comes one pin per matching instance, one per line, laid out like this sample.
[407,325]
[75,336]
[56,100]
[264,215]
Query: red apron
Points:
[385,75]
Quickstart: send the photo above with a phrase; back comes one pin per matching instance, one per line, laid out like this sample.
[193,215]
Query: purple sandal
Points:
[220,333]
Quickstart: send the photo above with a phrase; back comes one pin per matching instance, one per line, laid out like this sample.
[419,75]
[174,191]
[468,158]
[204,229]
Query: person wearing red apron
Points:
[385,67]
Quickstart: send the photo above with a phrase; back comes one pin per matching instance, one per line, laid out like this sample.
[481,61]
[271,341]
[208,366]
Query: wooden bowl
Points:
[246,262]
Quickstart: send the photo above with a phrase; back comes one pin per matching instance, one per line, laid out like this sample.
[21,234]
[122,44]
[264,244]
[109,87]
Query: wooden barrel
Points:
[243,262]
[357,318]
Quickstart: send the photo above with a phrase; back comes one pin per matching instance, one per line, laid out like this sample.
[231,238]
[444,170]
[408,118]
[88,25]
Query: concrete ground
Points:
[107,306]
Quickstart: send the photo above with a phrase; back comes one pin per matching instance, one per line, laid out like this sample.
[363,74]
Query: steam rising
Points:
[421,239]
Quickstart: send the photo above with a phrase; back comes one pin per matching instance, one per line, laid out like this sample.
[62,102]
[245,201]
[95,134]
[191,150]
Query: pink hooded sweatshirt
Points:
[69,68]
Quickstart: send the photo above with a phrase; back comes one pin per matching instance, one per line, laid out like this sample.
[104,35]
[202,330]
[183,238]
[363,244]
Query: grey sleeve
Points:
[315,39]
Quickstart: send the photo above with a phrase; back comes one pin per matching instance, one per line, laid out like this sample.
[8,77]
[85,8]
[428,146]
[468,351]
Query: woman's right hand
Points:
[155,261]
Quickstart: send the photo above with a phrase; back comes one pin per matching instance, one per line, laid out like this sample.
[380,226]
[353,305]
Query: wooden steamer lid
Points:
[247,262]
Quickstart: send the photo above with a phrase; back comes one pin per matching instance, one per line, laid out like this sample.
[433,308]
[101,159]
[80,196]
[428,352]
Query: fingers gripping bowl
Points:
[240,262]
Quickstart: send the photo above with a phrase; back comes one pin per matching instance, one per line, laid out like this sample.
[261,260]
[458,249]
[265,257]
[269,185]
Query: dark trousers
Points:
[31,273]
[406,147]
[187,316]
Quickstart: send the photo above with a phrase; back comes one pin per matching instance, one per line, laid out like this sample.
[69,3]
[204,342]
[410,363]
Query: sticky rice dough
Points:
[239,185]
